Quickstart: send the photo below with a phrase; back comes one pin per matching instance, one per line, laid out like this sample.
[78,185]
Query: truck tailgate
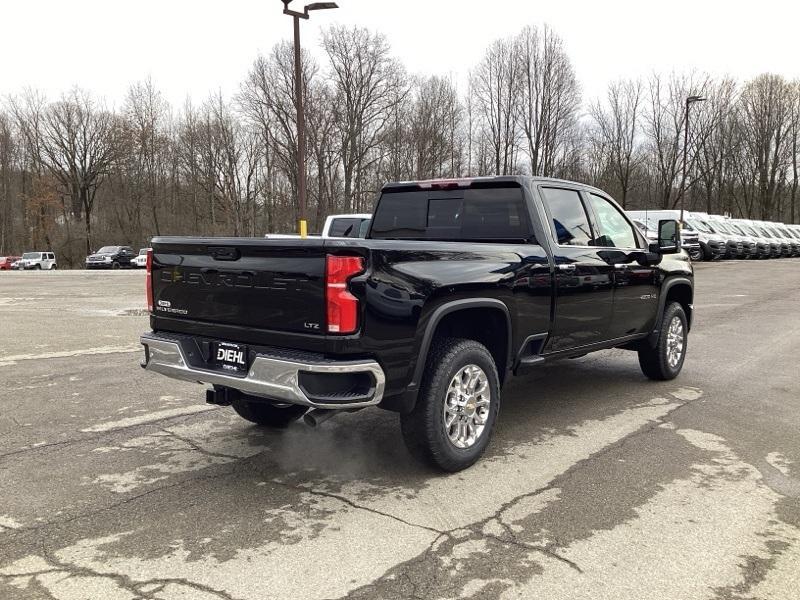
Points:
[253,282]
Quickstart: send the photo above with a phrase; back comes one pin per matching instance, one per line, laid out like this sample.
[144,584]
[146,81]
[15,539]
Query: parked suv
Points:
[140,260]
[750,241]
[794,243]
[784,245]
[39,261]
[737,246]
[795,231]
[763,244]
[110,257]
[711,242]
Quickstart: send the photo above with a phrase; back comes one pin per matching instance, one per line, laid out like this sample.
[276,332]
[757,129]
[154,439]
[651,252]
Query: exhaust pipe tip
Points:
[316,416]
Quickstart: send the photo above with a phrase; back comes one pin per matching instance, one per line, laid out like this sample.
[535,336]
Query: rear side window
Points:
[570,220]
[477,214]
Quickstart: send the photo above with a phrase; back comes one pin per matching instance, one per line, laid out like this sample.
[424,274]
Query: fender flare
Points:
[433,321]
[652,339]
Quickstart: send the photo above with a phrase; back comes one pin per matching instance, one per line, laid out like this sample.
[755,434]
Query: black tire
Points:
[708,255]
[655,362]
[423,428]
[696,255]
[38,267]
[268,414]
[115,265]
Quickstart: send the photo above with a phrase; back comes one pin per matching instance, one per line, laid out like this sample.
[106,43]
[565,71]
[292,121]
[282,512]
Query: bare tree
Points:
[435,120]
[495,83]
[664,122]
[146,115]
[618,130]
[8,150]
[714,146]
[77,141]
[364,75]
[795,149]
[766,118]
[548,96]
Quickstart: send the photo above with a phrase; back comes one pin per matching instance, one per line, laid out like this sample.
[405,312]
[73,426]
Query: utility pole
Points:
[689,101]
[302,224]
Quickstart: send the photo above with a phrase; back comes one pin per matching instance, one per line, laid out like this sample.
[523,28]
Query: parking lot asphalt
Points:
[120,484]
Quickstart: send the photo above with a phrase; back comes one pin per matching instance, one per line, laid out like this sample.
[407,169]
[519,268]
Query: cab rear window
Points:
[472,214]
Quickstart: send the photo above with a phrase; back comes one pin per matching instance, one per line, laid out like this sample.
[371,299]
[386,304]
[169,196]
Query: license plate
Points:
[232,357]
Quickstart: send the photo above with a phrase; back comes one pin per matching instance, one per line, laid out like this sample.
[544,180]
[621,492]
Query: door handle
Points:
[566,267]
[621,266]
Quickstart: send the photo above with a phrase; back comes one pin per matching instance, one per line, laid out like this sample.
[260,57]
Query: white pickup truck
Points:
[336,226]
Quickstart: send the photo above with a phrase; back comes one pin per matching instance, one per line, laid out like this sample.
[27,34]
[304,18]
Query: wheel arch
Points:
[460,315]
[677,289]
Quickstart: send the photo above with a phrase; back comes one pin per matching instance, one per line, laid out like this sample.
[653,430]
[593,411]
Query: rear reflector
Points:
[149,280]
[342,305]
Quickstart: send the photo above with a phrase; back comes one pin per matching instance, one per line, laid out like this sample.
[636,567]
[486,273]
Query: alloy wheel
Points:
[466,406]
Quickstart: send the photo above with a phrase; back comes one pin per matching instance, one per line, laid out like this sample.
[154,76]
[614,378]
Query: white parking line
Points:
[14,358]
[148,418]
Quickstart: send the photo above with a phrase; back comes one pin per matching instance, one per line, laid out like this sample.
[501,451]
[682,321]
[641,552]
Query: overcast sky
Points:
[191,47]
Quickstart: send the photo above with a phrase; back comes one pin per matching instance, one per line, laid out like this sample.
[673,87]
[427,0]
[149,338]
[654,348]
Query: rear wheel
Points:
[267,413]
[457,406]
[665,361]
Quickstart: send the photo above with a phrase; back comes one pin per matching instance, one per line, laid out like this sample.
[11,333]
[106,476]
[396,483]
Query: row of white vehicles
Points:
[718,237]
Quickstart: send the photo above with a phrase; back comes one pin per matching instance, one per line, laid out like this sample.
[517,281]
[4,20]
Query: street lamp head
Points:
[690,99]
[321,5]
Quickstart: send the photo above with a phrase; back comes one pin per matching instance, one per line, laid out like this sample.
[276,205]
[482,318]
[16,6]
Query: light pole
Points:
[689,101]
[302,226]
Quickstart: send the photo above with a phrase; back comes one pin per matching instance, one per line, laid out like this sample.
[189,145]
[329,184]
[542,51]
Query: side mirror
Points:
[649,258]
[669,237]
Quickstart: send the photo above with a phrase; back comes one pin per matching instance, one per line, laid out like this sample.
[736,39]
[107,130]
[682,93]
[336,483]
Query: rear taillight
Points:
[149,280]
[342,305]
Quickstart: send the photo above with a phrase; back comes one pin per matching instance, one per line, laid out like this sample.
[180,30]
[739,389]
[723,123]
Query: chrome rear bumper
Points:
[268,377]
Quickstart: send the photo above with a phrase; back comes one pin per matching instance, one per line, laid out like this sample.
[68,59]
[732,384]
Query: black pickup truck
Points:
[458,285]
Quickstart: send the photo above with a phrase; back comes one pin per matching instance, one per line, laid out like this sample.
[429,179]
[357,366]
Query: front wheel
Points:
[457,406]
[696,254]
[268,414]
[665,361]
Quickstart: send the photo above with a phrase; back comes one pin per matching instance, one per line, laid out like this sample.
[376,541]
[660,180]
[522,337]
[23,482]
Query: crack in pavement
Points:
[126,582]
[106,434]
[194,445]
[354,504]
